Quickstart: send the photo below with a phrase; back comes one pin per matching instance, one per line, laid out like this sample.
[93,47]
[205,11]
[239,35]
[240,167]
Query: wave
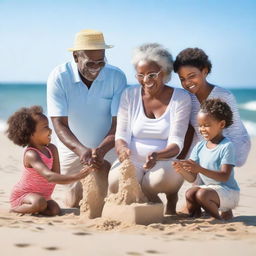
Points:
[250,127]
[251,105]
[3,126]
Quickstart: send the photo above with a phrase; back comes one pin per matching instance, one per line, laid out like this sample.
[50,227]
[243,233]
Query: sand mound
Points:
[94,192]
[129,190]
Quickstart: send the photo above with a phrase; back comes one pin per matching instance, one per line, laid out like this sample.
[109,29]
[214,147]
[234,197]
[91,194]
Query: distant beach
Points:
[16,95]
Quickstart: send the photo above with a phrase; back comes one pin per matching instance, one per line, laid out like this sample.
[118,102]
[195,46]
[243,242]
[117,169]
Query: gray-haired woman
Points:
[151,124]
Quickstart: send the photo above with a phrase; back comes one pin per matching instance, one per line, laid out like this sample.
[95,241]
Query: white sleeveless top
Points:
[145,135]
[148,134]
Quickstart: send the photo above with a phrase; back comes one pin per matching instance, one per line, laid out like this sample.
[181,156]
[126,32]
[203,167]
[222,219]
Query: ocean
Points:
[16,95]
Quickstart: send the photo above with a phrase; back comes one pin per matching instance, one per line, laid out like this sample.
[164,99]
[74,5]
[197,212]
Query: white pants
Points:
[160,179]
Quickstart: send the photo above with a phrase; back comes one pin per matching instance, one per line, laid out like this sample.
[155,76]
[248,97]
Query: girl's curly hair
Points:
[218,109]
[22,124]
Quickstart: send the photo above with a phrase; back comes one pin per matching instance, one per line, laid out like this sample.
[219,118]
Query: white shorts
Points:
[229,198]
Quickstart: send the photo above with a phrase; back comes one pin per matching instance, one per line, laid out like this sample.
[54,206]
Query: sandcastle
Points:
[94,192]
[130,205]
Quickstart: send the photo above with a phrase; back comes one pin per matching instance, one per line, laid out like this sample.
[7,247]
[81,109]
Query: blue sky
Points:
[35,35]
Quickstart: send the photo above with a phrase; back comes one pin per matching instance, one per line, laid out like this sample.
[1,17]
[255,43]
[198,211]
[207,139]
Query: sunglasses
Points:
[91,64]
[148,76]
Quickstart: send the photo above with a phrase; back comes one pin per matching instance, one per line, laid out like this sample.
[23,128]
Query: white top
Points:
[89,111]
[237,132]
[145,135]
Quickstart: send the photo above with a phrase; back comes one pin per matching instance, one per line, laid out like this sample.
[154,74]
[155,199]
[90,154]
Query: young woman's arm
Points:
[187,142]
[32,159]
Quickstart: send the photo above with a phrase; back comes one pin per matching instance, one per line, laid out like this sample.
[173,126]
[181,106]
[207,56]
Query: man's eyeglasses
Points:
[91,63]
[148,76]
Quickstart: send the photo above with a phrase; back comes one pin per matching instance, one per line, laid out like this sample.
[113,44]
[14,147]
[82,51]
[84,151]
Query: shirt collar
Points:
[76,76]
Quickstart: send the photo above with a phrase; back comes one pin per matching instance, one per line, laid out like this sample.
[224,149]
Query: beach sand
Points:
[177,235]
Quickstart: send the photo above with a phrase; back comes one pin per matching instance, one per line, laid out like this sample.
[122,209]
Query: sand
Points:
[68,234]
[129,204]
[94,193]
[129,190]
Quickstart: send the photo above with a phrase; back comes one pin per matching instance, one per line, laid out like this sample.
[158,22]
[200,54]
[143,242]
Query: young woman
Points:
[193,67]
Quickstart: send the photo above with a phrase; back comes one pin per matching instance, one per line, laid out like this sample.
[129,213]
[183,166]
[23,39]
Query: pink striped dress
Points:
[32,182]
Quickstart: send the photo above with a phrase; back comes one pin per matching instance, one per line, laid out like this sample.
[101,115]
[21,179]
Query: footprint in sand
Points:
[169,233]
[81,234]
[22,245]
[219,235]
[152,251]
[51,248]
[28,221]
[39,228]
[57,221]
[231,229]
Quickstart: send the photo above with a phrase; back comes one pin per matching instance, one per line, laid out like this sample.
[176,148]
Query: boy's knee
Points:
[201,195]
[190,195]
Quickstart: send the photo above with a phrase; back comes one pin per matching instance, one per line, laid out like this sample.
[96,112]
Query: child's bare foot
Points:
[227,215]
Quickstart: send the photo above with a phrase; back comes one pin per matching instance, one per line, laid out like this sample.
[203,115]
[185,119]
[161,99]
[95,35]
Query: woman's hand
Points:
[123,153]
[150,161]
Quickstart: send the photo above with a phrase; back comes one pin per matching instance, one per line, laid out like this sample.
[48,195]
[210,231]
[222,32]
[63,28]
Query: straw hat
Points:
[89,40]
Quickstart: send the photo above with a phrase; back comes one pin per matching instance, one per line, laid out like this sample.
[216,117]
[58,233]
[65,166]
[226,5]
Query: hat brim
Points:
[103,47]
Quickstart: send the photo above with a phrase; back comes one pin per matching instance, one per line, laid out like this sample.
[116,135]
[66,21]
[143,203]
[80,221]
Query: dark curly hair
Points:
[218,109]
[22,124]
[194,57]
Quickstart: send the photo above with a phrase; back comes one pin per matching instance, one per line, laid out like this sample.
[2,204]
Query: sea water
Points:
[16,95]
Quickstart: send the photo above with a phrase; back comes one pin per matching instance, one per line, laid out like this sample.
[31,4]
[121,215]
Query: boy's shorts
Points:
[229,198]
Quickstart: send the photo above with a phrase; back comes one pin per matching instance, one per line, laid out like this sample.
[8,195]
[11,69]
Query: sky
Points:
[35,35]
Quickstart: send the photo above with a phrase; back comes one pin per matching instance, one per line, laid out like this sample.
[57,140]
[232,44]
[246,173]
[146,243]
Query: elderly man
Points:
[82,99]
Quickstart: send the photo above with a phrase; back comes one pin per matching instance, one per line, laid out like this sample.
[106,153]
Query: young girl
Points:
[213,159]
[32,194]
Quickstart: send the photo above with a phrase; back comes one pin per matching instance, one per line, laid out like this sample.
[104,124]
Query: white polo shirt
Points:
[89,111]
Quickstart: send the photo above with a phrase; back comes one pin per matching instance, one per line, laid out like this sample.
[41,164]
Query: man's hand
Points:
[97,158]
[85,155]
[150,161]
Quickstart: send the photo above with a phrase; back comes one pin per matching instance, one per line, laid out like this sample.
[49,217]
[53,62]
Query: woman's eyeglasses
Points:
[149,76]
